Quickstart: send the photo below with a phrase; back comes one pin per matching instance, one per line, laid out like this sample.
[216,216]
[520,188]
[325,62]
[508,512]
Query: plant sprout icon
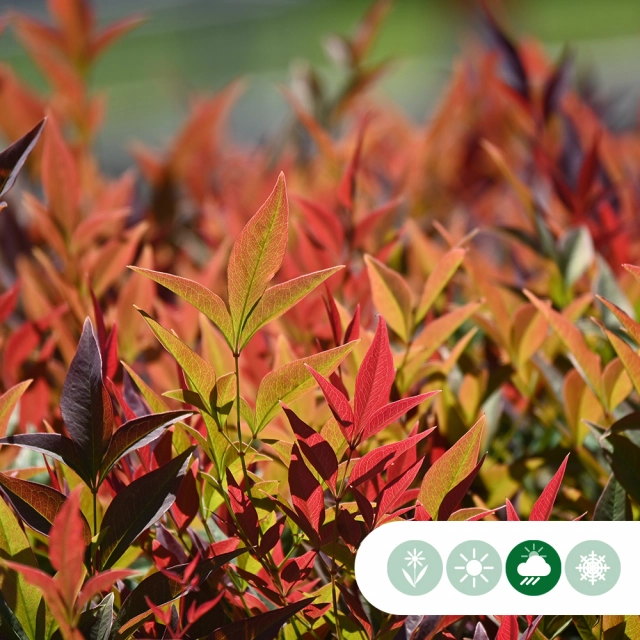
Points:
[534,568]
[415,560]
[474,568]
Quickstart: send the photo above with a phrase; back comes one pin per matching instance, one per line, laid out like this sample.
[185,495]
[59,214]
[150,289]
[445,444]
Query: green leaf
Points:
[140,504]
[21,598]
[157,404]
[576,254]
[137,433]
[391,296]
[257,255]
[8,403]
[624,459]
[280,298]
[451,469]
[438,280]
[37,504]
[196,295]
[161,589]
[199,372]
[584,625]
[291,381]
[613,504]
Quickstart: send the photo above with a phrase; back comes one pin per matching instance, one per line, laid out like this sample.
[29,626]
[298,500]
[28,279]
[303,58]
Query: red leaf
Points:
[243,509]
[187,503]
[306,493]
[271,536]
[100,583]
[390,493]
[508,628]
[352,332]
[421,514]
[356,608]
[315,448]
[384,416]
[347,187]
[298,568]
[66,548]
[366,510]
[334,317]
[337,402]
[378,460]
[541,510]
[8,301]
[349,528]
[375,377]
[512,514]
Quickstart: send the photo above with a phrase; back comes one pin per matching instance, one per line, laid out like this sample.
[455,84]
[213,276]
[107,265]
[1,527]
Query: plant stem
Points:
[94,554]
[333,574]
[241,451]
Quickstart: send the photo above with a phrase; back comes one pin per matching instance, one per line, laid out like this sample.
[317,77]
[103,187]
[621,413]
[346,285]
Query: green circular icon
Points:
[474,568]
[414,568]
[592,568]
[533,567]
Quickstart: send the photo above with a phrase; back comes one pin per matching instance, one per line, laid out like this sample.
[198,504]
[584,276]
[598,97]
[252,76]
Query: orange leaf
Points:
[8,403]
[438,279]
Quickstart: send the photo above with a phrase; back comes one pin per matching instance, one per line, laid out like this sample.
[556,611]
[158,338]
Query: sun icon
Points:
[474,567]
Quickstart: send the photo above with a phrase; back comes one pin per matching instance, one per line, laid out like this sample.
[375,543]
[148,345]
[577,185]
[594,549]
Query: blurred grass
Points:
[200,45]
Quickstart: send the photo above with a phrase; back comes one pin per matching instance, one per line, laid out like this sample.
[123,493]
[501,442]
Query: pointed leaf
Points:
[282,297]
[199,371]
[624,458]
[512,514]
[629,358]
[37,504]
[264,626]
[139,505]
[306,493]
[293,380]
[456,494]
[243,509]
[161,589]
[137,433]
[337,402]
[196,295]
[629,324]
[375,377]
[508,628]
[315,448]
[384,416]
[394,489]
[451,468]
[8,403]
[438,280]
[101,582]
[257,255]
[85,402]
[613,504]
[21,598]
[391,296]
[12,159]
[543,506]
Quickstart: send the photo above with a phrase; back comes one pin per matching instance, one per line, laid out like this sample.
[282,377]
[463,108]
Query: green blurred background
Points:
[189,46]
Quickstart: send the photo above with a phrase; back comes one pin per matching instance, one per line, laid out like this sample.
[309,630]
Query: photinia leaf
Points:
[391,297]
[315,448]
[199,371]
[257,255]
[624,458]
[99,583]
[137,433]
[629,323]
[306,493]
[438,280]
[243,509]
[139,505]
[196,295]
[293,380]
[376,461]
[12,159]
[543,506]
[37,504]
[451,468]
[628,357]
[508,628]
[338,404]
[457,493]
[154,401]
[264,626]
[21,598]
[8,402]
[280,298]
[394,489]
[375,377]
[85,403]
[66,548]
[391,412]
[161,588]
[613,504]
[512,514]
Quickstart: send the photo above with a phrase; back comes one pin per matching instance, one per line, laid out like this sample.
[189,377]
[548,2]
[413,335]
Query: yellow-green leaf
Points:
[8,403]
[280,298]
[196,295]
[257,254]
[391,297]
[438,280]
[451,468]
[293,380]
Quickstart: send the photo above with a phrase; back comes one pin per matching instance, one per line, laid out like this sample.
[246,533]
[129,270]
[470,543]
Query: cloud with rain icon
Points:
[534,567]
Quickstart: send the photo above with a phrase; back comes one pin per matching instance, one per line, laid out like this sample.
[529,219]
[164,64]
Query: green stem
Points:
[334,593]
[241,451]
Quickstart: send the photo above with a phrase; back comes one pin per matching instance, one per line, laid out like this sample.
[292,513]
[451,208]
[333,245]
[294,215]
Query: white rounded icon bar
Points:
[540,577]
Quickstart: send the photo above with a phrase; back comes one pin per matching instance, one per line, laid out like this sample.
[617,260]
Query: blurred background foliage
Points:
[188,46]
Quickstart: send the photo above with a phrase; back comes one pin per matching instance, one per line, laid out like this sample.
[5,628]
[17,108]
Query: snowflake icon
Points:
[593,568]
